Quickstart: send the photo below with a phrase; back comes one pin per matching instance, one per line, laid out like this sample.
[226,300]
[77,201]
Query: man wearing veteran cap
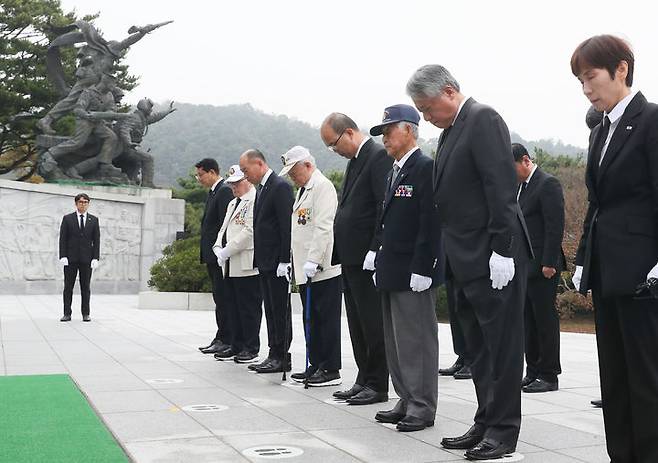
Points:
[487,251]
[319,281]
[272,208]
[406,271]
[235,253]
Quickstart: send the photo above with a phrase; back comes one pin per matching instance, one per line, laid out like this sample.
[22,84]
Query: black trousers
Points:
[542,329]
[70,273]
[324,322]
[364,319]
[627,343]
[224,333]
[492,320]
[458,338]
[244,312]
[277,314]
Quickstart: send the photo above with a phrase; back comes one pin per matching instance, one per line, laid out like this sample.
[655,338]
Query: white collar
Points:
[461,105]
[404,158]
[363,142]
[263,180]
[214,185]
[534,168]
[620,107]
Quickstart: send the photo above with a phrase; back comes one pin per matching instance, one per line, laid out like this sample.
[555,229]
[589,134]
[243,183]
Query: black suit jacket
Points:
[409,227]
[542,204]
[79,247]
[356,230]
[475,188]
[621,223]
[213,217]
[272,224]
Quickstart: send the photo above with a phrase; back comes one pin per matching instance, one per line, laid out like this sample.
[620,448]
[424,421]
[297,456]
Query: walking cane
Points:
[285,328]
[307,329]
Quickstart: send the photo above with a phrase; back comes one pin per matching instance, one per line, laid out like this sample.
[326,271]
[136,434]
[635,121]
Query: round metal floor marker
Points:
[204,408]
[164,381]
[272,452]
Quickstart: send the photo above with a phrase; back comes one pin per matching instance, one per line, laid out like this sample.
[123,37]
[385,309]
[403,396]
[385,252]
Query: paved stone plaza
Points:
[141,369]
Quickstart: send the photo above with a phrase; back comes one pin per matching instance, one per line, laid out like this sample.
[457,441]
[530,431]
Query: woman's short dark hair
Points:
[603,52]
[80,196]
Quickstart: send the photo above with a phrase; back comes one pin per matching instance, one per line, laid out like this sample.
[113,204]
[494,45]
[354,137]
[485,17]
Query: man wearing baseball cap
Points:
[234,249]
[406,271]
[318,280]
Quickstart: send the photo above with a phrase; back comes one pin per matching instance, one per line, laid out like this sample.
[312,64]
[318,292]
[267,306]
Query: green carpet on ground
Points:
[46,418]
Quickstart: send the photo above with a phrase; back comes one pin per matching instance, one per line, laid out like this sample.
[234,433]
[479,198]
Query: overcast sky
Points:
[306,59]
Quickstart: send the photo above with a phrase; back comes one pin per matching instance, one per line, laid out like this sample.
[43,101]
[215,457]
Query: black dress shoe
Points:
[65,318]
[411,424]
[597,403]
[344,395]
[324,378]
[224,355]
[205,347]
[453,369]
[527,379]
[487,450]
[466,441]
[216,348]
[254,367]
[464,373]
[389,416]
[86,318]
[540,385]
[367,396]
[275,366]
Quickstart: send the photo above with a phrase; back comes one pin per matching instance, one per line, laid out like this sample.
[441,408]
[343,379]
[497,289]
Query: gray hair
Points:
[310,160]
[413,127]
[429,81]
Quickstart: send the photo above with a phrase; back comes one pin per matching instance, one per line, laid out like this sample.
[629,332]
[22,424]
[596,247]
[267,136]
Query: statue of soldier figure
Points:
[98,140]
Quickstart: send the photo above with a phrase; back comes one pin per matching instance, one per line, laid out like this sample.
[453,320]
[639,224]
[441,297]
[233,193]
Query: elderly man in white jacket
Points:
[319,282]
[234,249]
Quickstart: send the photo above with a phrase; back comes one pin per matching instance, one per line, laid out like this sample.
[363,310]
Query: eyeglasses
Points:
[198,176]
[83,201]
[332,147]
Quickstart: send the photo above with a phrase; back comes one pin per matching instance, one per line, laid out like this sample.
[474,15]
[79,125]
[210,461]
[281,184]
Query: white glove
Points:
[502,270]
[216,249]
[369,261]
[374,279]
[578,275]
[653,273]
[94,263]
[419,283]
[283,270]
[310,269]
[64,261]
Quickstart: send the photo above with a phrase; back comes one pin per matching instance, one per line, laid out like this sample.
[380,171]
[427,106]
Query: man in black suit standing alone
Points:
[79,251]
[486,250]
[357,238]
[619,247]
[207,174]
[272,233]
[542,203]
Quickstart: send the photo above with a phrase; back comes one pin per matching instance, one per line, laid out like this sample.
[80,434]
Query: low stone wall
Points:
[136,224]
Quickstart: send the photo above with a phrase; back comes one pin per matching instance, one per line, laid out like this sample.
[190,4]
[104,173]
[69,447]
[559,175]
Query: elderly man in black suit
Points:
[79,253]
[407,270]
[219,195]
[542,203]
[487,252]
[357,238]
[272,236]
[619,247]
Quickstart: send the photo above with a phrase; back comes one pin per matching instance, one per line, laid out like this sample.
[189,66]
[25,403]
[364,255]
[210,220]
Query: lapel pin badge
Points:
[629,127]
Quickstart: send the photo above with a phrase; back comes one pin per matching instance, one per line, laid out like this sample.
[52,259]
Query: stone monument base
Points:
[136,224]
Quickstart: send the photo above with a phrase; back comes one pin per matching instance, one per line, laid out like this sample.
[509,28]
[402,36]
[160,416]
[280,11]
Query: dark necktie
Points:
[524,185]
[259,189]
[442,140]
[237,203]
[301,192]
[603,136]
[82,223]
[396,171]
